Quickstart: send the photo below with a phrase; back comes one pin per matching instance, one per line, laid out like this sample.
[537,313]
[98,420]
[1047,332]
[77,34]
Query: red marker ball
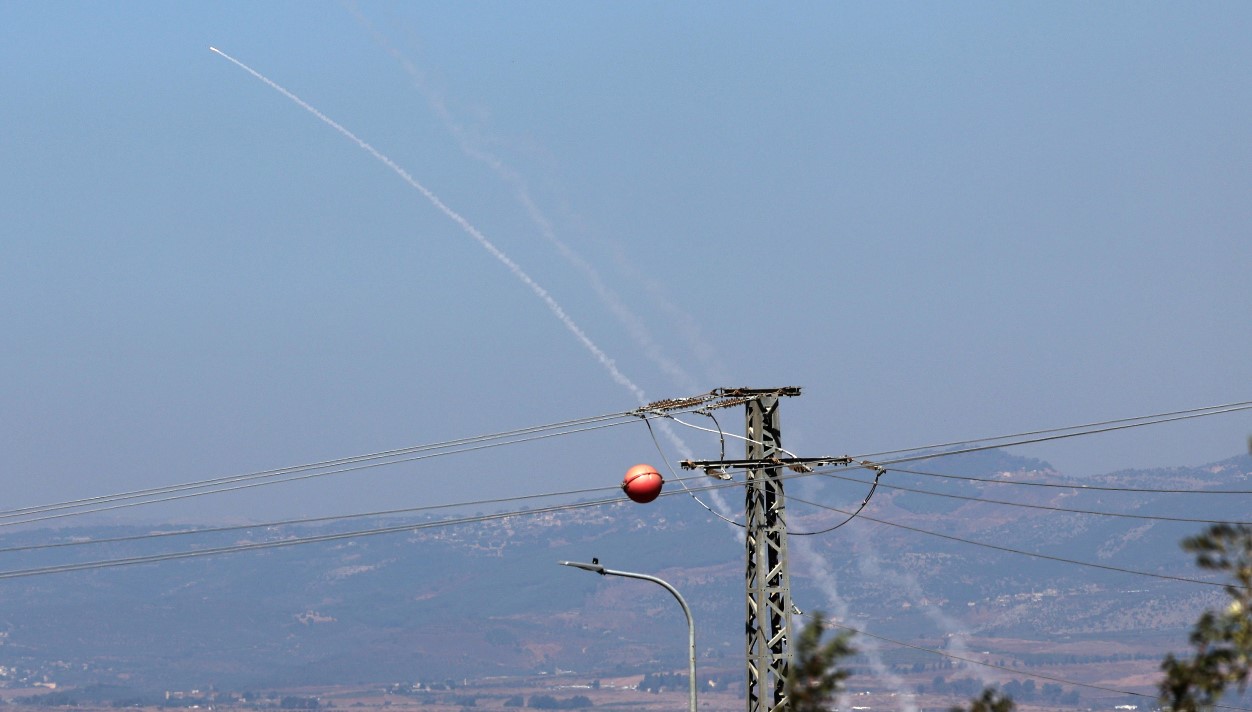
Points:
[642,483]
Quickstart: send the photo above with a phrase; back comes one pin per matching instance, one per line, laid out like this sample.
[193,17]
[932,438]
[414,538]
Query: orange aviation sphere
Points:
[642,483]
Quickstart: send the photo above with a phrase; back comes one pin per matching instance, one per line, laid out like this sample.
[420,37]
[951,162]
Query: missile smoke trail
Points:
[464,224]
[633,324]
[826,580]
[560,313]
[869,564]
[473,147]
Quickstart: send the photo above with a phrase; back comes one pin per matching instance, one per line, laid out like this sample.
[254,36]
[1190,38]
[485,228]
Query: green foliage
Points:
[661,681]
[1221,641]
[990,701]
[53,699]
[548,702]
[815,678]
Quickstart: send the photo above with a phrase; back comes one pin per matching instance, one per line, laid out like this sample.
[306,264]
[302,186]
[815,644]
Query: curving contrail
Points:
[465,225]
[608,363]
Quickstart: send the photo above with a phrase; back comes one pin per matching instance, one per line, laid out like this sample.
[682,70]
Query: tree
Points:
[1221,641]
[814,677]
[990,701]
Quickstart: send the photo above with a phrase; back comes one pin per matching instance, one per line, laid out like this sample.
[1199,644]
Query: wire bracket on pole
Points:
[715,468]
[715,399]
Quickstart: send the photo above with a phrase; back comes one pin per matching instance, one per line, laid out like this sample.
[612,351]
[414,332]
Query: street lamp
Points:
[595,567]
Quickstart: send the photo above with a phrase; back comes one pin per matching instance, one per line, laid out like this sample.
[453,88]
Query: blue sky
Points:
[942,220]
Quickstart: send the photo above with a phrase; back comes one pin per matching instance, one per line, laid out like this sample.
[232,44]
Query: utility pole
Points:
[767,577]
[768,582]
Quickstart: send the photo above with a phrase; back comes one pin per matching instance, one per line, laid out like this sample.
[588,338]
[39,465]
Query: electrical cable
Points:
[320,538]
[290,474]
[564,507]
[658,409]
[1104,426]
[361,515]
[305,520]
[880,471]
[555,508]
[626,417]
[300,477]
[1008,550]
[1148,517]
[827,530]
[934,533]
[1062,436]
[721,434]
[1095,488]
[1112,425]
[1237,406]
[680,481]
[722,437]
[85,506]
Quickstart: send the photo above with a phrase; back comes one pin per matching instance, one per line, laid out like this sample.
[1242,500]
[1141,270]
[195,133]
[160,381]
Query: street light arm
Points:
[681,601]
[691,624]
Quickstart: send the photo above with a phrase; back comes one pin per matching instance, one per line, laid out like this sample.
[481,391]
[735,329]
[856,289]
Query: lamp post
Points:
[595,567]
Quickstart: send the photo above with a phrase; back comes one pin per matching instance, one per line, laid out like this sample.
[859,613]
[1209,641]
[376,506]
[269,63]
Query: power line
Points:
[1098,424]
[1148,517]
[879,472]
[452,522]
[1051,434]
[1008,550]
[1062,436]
[294,541]
[5,514]
[295,478]
[304,472]
[378,513]
[566,424]
[716,398]
[362,515]
[97,504]
[1096,488]
[670,467]
[1057,434]
[154,558]
[320,538]
[305,520]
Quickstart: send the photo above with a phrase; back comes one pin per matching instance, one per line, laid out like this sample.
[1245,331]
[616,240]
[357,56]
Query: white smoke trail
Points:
[635,326]
[553,306]
[682,321]
[955,635]
[829,585]
[465,225]
[473,147]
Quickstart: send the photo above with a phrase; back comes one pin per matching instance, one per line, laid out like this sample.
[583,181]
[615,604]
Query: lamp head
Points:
[593,567]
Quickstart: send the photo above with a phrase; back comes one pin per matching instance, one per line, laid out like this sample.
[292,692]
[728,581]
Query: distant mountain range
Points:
[488,598]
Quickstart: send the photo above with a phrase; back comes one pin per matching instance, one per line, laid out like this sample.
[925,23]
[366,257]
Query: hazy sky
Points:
[943,220]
